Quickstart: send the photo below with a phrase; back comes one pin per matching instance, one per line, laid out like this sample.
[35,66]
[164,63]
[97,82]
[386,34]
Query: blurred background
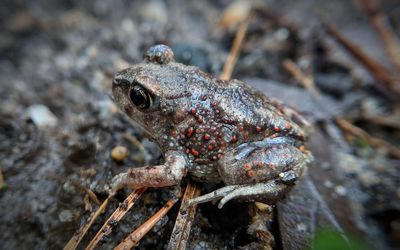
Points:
[335,61]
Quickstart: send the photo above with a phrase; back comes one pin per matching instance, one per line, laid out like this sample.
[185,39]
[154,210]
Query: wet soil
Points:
[58,123]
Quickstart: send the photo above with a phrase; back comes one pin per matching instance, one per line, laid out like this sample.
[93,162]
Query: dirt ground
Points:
[58,122]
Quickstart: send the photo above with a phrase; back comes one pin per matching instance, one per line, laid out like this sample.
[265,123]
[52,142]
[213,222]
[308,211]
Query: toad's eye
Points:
[141,97]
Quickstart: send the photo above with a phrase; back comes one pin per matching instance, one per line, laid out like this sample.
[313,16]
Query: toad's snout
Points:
[120,82]
[120,86]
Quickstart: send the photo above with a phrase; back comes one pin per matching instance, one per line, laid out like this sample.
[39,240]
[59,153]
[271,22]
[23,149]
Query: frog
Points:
[211,130]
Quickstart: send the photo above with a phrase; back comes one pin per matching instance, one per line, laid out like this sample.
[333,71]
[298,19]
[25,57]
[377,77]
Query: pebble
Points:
[119,153]
[154,10]
[65,216]
[106,108]
[235,13]
[301,227]
[190,54]
[340,190]
[42,116]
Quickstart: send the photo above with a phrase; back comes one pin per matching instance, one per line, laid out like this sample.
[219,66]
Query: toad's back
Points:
[227,115]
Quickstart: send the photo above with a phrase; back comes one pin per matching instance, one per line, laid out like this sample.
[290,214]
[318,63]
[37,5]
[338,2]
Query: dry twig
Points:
[2,185]
[381,24]
[183,224]
[234,53]
[123,208]
[138,234]
[306,80]
[392,120]
[387,84]
[358,132]
[78,235]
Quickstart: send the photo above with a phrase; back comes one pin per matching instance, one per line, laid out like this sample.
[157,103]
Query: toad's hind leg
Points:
[259,171]
[268,192]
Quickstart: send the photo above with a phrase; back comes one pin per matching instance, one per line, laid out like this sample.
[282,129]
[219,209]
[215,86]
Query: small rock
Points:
[154,11]
[340,190]
[119,153]
[235,13]
[42,116]
[22,21]
[65,216]
[106,108]
[301,227]
[190,54]
[328,184]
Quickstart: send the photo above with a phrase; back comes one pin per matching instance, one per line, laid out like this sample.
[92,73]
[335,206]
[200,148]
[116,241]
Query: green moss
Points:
[329,239]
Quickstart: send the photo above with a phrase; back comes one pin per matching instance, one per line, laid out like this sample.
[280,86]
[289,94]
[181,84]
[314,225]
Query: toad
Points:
[211,130]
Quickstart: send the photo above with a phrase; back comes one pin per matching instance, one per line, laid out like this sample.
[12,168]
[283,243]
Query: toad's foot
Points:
[268,192]
[168,174]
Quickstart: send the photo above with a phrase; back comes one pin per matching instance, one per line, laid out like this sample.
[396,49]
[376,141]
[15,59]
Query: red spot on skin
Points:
[189,132]
[206,137]
[219,156]
[247,166]
[272,166]
[194,152]
[276,129]
[240,127]
[210,147]
[258,129]
[193,111]
[234,139]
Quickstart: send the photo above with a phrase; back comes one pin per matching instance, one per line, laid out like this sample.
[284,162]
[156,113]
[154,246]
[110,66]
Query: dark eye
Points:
[141,97]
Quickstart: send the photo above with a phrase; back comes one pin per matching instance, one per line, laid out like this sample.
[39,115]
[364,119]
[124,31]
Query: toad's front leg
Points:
[168,174]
